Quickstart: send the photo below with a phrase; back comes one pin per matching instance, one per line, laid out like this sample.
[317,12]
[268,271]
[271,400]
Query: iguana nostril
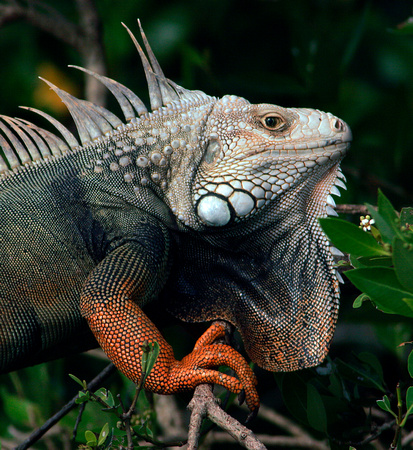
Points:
[338,125]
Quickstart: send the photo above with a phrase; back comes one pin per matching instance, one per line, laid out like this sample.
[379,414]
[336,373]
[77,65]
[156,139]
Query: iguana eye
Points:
[272,122]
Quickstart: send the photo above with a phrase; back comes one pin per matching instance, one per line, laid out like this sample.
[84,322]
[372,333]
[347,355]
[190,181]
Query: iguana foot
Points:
[195,369]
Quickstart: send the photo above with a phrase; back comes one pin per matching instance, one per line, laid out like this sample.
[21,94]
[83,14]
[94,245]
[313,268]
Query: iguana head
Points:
[255,153]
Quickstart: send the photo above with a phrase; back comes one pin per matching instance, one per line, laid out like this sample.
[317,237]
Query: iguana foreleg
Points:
[110,302]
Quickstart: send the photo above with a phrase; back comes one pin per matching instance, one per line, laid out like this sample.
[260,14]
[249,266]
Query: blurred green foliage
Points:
[351,57]
[130,428]
[383,260]
[381,256]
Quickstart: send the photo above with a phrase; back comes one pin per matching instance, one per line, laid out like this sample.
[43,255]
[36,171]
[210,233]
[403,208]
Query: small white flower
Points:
[366,223]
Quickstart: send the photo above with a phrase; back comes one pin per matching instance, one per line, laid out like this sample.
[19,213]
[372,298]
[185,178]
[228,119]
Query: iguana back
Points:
[208,205]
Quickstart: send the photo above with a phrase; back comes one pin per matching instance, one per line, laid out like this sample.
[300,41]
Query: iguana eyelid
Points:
[280,125]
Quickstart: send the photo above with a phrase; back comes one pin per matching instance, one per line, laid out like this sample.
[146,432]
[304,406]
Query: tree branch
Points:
[48,20]
[294,442]
[91,49]
[86,37]
[352,209]
[299,437]
[204,405]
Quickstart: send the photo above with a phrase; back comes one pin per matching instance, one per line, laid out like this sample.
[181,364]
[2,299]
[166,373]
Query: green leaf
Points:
[349,238]
[386,218]
[376,234]
[409,406]
[316,412]
[385,207]
[408,302]
[403,263]
[83,397]
[362,375]
[382,405]
[355,261]
[370,261]
[409,397]
[384,289]
[82,383]
[104,433]
[90,438]
[375,261]
[385,229]
[385,405]
[101,393]
[109,399]
[294,392]
[105,395]
[406,217]
[360,300]
[410,364]
[149,356]
[335,386]
[149,432]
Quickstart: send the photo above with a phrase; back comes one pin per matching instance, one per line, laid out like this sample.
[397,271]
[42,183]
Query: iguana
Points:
[206,205]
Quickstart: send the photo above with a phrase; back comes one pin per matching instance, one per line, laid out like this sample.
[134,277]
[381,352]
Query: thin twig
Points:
[297,433]
[398,429]
[277,441]
[86,37]
[406,440]
[82,407]
[36,435]
[92,50]
[204,405]
[352,209]
[126,422]
[49,21]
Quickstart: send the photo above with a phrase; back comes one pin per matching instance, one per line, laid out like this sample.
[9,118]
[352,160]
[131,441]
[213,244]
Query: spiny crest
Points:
[27,143]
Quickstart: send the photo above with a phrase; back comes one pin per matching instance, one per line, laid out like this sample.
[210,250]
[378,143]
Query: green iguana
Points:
[208,206]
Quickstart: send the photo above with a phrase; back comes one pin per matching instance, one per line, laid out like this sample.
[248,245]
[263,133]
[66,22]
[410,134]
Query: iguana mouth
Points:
[303,150]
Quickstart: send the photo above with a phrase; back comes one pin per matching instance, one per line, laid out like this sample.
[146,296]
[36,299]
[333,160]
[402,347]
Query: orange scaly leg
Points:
[110,301]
